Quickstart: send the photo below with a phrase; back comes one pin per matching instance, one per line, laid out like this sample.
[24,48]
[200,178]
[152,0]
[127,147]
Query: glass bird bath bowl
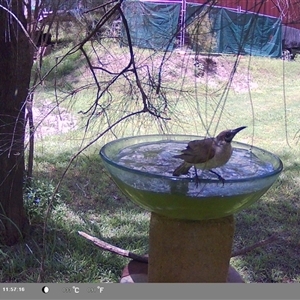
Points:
[142,167]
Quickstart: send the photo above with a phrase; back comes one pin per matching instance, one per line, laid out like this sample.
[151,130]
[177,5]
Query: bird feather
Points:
[198,151]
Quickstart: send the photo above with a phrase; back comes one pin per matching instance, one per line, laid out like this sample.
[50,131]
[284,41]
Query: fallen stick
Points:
[261,243]
[125,253]
[108,247]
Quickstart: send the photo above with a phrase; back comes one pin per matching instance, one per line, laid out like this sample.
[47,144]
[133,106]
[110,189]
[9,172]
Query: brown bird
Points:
[208,153]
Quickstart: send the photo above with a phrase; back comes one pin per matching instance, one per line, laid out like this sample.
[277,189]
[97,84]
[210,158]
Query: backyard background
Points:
[77,108]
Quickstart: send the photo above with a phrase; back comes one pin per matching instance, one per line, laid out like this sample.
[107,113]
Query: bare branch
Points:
[119,251]
[108,247]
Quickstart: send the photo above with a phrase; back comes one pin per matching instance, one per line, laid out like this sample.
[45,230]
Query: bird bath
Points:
[192,225]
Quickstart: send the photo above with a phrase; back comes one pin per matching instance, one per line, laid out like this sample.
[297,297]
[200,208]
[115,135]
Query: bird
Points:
[207,154]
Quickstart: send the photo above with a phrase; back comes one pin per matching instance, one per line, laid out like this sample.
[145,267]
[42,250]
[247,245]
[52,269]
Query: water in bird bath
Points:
[158,158]
[143,171]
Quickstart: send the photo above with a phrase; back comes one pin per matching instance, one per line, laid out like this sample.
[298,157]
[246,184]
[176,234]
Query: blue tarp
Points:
[151,25]
[156,26]
[248,33]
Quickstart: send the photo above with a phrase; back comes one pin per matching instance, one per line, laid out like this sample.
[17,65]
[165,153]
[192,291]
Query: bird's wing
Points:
[198,151]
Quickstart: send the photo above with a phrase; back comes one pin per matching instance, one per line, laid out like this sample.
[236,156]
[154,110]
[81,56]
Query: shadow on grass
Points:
[277,212]
[90,202]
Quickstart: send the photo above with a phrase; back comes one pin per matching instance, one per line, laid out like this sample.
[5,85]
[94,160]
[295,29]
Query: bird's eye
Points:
[228,137]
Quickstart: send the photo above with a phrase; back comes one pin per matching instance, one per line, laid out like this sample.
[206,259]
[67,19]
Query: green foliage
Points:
[38,198]
[94,206]
[201,34]
[57,67]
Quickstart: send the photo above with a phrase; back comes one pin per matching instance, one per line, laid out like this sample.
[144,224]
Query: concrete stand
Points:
[189,251]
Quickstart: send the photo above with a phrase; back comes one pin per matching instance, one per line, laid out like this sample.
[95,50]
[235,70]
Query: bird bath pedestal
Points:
[189,251]
[192,226]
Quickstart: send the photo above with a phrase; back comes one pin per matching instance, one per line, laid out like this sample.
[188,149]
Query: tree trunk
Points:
[16,60]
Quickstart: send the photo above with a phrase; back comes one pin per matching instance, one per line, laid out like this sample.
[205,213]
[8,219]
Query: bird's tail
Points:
[182,169]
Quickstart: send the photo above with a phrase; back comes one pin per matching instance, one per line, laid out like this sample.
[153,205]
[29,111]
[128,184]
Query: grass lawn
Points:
[263,95]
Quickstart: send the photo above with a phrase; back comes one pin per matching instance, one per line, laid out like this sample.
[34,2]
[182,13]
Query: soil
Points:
[50,120]
[214,71]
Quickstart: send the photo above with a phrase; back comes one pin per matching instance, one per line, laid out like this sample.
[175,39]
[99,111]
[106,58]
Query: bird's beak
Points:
[235,131]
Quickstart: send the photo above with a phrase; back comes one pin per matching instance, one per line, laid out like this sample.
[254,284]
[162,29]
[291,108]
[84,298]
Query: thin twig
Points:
[261,243]
[108,247]
[125,253]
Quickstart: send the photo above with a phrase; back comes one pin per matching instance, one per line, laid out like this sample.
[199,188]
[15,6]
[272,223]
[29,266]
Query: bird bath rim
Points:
[174,137]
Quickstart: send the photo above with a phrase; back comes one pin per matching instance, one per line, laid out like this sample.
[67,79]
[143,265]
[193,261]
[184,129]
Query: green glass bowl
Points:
[180,197]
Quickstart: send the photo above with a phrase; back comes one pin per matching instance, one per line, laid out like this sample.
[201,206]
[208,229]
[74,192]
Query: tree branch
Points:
[108,247]
[125,253]
[261,243]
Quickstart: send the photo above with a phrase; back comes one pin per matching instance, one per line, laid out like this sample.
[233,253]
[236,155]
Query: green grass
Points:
[91,204]
[89,201]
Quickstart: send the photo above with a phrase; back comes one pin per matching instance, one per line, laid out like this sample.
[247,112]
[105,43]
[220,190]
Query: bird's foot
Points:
[222,180]
[197,180]
[219,176]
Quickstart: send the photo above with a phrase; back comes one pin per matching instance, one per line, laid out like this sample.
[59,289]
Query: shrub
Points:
[38,198]
[202,37]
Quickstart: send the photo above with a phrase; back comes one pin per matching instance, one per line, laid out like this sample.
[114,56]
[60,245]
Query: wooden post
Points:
[189,251]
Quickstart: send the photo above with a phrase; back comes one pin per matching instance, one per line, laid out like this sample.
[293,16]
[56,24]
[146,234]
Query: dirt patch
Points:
[183,65]
[50,120]
[217,71]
